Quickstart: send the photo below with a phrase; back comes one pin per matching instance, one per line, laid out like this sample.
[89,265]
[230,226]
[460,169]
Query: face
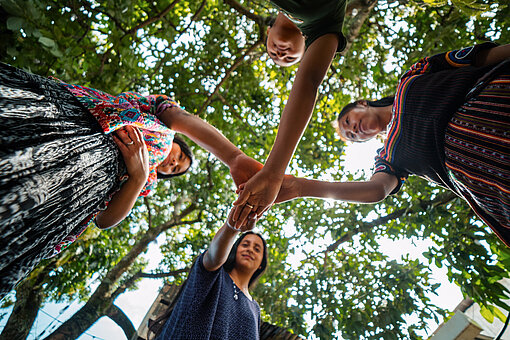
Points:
[286,47]
[360,124]
[175,163]
[250,253]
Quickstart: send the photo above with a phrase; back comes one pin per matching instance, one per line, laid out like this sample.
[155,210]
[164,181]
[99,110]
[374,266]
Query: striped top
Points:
[427,96]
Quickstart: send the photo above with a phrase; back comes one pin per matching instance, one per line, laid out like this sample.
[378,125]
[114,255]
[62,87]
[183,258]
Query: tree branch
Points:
[121,319]
[260,20]
[153,19]
[364,9]
[228,73]
[364,226]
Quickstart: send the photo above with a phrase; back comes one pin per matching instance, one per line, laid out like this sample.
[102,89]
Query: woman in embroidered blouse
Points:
[446,125]
[215,302]
[60,167]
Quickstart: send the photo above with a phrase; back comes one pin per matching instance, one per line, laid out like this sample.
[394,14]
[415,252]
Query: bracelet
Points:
[231,226]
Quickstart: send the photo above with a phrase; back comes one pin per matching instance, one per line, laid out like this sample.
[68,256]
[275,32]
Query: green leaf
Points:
[487,314]
[14,23]
[47,42]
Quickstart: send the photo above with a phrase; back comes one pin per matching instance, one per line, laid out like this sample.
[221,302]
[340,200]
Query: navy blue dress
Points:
[212,307]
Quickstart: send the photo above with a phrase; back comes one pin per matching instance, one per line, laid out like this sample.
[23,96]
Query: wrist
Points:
[233,157]
[138,179]
[231,228]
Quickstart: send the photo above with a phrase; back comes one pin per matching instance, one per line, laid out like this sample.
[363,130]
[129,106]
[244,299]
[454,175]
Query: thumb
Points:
[240,188]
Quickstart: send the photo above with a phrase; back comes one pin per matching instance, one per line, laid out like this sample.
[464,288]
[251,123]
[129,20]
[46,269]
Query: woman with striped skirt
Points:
[448,122]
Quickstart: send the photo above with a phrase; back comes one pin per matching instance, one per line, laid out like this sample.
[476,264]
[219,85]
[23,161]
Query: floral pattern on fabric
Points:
[131,108]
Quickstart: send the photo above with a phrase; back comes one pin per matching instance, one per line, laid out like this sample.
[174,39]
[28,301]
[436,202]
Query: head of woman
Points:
[285,43]
[362,120]
[249,253]
[178,161]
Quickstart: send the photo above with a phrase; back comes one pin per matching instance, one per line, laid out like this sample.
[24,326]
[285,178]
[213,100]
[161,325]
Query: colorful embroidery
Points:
[115,112]
[386,155]
[131,108]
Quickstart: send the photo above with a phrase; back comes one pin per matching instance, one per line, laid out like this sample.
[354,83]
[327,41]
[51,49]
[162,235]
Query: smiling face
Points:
[284,45]
[175,163]
[361,123]
[250,253]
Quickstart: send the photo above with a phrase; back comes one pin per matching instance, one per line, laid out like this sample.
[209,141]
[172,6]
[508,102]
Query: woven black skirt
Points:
[56,169]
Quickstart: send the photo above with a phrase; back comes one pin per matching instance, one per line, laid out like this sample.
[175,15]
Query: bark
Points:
[363,7]
[29,298]
[102,298]
[121,319]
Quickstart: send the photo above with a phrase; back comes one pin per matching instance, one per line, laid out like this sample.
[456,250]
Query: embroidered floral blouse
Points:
[115,112]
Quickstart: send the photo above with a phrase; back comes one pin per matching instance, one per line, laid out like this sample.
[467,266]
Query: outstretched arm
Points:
[222,242]
[261,190]
[376,189]
[241,166]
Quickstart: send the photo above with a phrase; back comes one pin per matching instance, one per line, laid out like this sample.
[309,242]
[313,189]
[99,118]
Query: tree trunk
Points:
[102,299]
[29,298]
[28,301]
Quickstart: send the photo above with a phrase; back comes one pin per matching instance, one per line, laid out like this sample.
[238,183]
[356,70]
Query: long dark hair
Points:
[375,103]
[231,259]
[157,326]
[187,151]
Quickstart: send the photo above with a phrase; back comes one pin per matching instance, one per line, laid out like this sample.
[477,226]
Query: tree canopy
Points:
[210,56]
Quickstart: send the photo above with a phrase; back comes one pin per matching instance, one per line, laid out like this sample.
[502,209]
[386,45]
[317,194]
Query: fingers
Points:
[122,146]
[241,200]
[250,224]
[245,212]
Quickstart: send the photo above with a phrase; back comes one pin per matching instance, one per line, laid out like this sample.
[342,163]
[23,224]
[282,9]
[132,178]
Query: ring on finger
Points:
[249,205]
[130,143]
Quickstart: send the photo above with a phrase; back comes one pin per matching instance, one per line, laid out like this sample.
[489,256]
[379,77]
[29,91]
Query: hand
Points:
[247,226]
[134,151]
[289,190]
[243,168]
[256,196]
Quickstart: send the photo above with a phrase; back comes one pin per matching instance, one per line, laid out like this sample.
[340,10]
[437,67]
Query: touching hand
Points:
[289,190]
[134,151]
[243,168]
[256,196]
[247,226]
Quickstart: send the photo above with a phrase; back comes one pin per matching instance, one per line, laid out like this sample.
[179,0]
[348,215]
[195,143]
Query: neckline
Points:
[240,290]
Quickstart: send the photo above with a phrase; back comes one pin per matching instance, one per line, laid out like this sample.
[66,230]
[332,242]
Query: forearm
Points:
[120,205]
[493,56]
[356,192]
[301,102]
[219,248]
[202,133]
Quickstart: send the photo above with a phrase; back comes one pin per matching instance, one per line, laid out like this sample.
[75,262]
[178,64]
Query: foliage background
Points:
[210,56]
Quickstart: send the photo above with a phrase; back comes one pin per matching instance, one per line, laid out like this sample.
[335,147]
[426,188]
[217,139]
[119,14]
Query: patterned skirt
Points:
[56,169]
[477,149]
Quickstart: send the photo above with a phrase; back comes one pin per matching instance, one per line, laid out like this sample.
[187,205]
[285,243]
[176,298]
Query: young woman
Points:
[449,123]
[215,302]
[309,32]
[60,166]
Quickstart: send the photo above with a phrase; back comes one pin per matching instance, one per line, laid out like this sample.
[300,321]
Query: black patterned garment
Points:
[56,169]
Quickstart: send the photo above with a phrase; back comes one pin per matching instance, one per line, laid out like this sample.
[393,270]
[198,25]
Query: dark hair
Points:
[187,151]
[157,326]
[376,103]
[231,259]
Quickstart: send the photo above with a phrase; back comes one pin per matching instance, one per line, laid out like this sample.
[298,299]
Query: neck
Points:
[241,279]
[386,114]
[284,22]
